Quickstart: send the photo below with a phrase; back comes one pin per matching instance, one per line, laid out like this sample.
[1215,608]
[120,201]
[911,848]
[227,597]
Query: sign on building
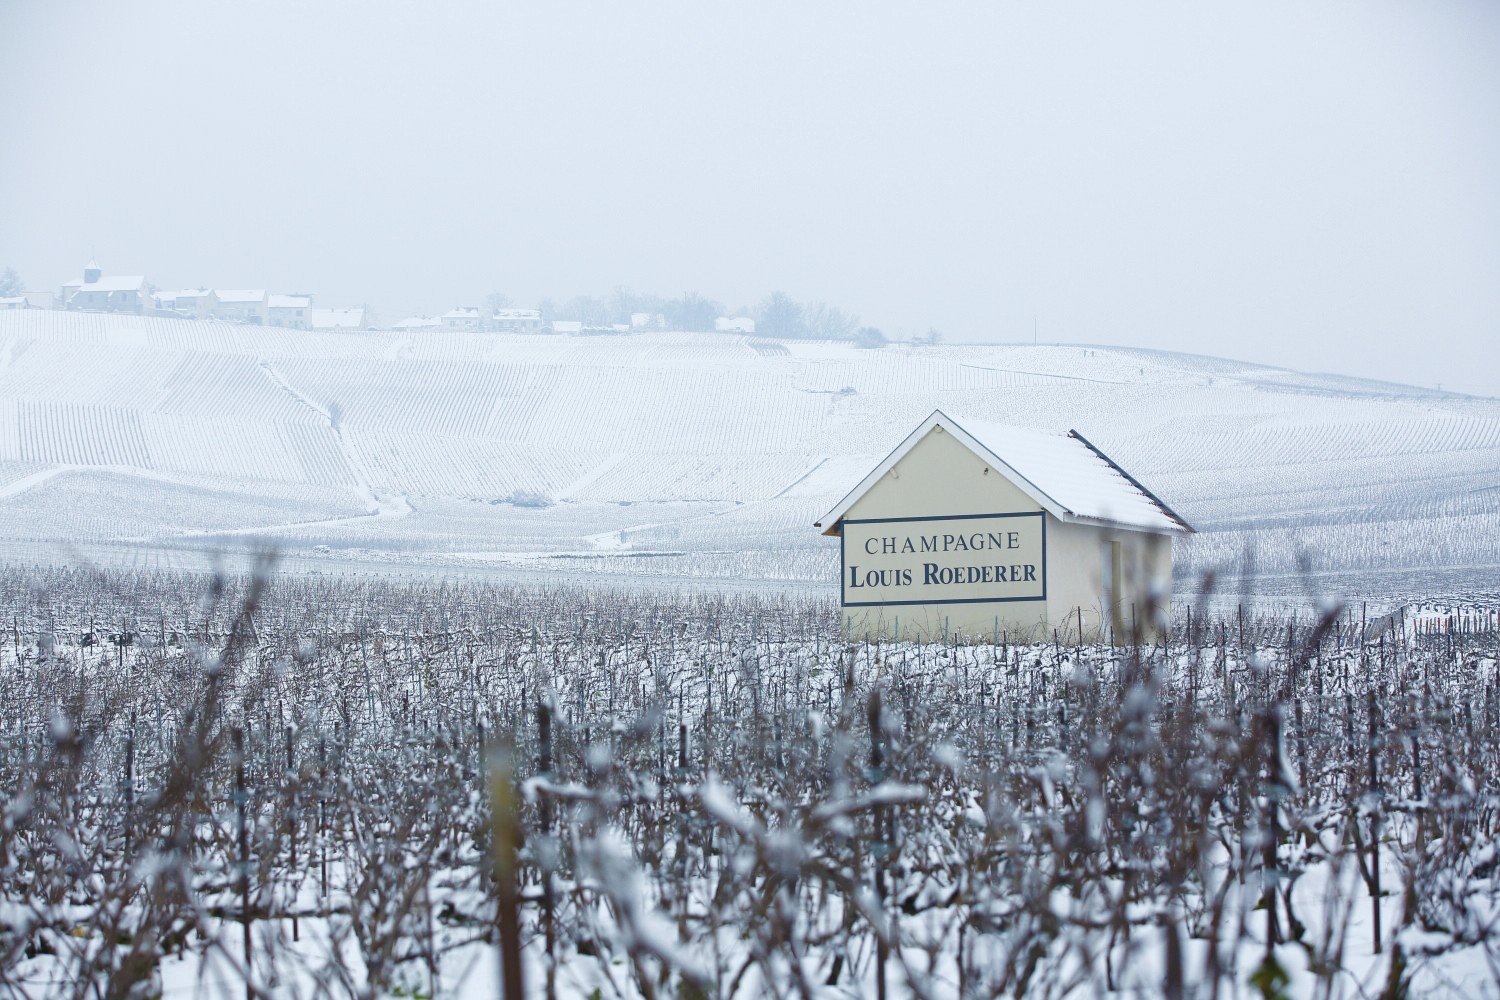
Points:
[966,558]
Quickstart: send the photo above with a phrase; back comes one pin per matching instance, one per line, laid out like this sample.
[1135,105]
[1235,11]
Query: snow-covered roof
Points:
[1064,473]
[518,314]
[462,312]
[114,283]
[337,319]
[14,300]
[240,295]
[567,326]
[289,301]
[417,323]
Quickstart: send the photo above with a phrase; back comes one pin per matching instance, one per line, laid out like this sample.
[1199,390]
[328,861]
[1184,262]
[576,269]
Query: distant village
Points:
[95,291]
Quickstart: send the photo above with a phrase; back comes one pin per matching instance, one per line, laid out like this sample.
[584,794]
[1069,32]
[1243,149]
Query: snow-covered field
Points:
[696,459]
[298,790]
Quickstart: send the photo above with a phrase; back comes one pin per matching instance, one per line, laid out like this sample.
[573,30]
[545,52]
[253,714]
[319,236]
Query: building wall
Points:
[290,317]
[121,301]
[241,312]
[1142,581]
[198,306]
[940,476]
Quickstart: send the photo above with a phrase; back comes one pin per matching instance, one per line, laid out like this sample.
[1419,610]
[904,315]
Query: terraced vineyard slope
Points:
[684,456]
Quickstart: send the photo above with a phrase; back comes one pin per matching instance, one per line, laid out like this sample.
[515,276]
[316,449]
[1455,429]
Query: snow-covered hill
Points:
[683,455]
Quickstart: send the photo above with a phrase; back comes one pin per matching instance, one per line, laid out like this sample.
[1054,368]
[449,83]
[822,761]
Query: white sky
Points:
[1316,185]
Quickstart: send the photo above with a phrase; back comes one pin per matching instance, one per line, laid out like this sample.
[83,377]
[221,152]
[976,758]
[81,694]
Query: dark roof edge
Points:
[1134,482]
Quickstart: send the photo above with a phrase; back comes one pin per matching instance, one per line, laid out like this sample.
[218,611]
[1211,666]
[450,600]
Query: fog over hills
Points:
[683,457]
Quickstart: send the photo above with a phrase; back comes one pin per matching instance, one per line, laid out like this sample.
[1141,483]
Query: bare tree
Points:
[780,316]
[827,322]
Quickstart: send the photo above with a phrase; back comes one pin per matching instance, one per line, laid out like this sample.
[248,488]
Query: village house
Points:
[191,303]
[94,291]
[517,321]
[988,532]
[290,311]
[419,323]
[14,302]
[351,318]
[568,327]
[240,305]
[461,318]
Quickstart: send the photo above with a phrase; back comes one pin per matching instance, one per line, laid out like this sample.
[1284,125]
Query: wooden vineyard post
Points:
[1375,804]
[1270,859]
[877,763]
[323,820]
[544,769]
[291,809]
[241,804]
[129,780]
[505,840]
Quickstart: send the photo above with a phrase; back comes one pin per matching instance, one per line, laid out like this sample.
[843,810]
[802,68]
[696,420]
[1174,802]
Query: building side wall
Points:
[241,312]
[1142,582]
[289,317]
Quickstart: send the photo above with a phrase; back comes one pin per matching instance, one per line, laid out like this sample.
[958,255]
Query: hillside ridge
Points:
[451,449]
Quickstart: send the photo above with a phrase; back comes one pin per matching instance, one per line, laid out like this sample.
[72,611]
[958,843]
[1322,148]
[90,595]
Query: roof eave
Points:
[834,518]
[1187,529]
[934,420]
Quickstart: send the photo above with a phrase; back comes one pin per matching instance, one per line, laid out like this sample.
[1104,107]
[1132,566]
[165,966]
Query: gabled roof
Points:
[350,318]
[461,312]
[288,301]
[116,283]
[1064,473]
[240,294]
[417,323]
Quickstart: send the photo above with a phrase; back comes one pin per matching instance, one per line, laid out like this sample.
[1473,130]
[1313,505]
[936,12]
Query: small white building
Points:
[192,303]
[351,318]
[291,311]
[94,291]
[568,327]
[989,532]
[517,321]
[734,324]
[461,318]
[240,305]
[648,321]
[14,302]
[419,323]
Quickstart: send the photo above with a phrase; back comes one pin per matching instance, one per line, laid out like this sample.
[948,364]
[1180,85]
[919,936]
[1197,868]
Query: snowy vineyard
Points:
[320,787]
[681,456]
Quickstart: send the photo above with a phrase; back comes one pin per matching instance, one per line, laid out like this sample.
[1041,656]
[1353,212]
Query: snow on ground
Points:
[684,456]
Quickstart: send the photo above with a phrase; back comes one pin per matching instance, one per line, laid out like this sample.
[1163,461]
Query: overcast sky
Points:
[1308,184]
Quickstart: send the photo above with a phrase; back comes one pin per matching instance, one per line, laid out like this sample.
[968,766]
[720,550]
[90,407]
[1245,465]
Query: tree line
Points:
[778,315]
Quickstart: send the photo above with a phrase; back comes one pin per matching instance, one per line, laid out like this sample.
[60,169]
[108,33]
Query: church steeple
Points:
[92,272]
